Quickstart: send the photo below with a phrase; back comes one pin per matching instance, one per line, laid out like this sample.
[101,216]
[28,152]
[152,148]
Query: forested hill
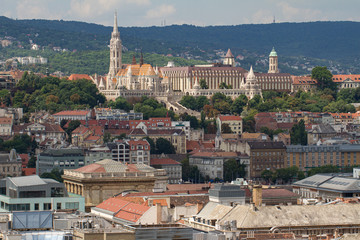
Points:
[326,40]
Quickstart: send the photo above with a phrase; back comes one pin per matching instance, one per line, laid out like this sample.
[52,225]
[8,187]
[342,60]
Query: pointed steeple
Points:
[115,30]
[273,53]
[229,54]
[251,74]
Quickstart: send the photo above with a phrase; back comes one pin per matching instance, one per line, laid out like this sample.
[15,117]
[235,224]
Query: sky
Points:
[195,12]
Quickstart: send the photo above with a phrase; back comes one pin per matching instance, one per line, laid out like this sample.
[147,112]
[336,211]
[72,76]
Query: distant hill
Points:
[335,44]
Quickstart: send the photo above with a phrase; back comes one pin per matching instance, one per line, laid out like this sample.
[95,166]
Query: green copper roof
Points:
[273,53]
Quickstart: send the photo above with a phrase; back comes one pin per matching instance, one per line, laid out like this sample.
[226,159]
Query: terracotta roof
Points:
[301,80]
[79,76]
[72,113]
[29,171]
[188,187]
[163,161]
[229,118]
[247,135]
[5,120]
[342,77]
[126,210]
[137,70]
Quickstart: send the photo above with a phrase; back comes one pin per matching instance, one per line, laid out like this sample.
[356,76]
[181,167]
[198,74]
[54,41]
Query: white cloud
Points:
[290,13]
[262,16]
[34,9]
[161,11]
[90,8]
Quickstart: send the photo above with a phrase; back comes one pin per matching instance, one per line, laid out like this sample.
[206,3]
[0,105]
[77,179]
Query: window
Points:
[47,206]
[36,206]
[72,205]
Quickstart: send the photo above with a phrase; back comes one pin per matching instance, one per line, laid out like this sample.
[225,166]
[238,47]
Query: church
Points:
[139,79]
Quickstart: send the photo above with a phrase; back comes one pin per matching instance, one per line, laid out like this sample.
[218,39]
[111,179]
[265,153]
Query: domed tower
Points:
[273,62]
[115,51]
[229,59]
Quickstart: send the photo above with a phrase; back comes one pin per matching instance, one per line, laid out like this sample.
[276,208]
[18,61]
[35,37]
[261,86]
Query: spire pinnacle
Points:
[115,30]
[251,74]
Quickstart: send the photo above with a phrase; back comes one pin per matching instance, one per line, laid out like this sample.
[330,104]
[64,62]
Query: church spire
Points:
[133,60]
[115,30]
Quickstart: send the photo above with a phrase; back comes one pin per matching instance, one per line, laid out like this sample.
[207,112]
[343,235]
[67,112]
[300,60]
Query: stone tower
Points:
[273,62]
[115,52]
[229,59]
[252,86]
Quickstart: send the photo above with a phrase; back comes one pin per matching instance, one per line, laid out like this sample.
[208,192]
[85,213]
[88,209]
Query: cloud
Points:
[89,8]
[290,13]
[161,11]
[34,9]
[262,16]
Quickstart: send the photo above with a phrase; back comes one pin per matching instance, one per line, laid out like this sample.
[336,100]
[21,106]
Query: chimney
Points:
[257,195]
[158,213]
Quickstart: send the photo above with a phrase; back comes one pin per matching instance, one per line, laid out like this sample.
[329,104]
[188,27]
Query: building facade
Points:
[172,168]
[307,157]
[234,122]
[265,156]
[130,151]
[107,178]
[61,159]
[32,193]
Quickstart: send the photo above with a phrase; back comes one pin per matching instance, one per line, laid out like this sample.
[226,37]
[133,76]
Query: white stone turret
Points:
[115,51]
[196,84]
[252,87]
[101,84]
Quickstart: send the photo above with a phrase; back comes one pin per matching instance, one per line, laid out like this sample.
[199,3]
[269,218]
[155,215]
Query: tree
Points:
[190,172]
[203,84]
[238,104]
[107,137]
[267,175]
[54,174]
[152,145]
[122,103]
[233,169]
[323,169]
[225,128]
[164,146]
[32,162]
[73,124]
[323,77]
[298,133]
[223,85]
[188,102]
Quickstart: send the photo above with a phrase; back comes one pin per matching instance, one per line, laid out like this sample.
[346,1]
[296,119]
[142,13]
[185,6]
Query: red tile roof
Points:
[163,161]
[29,171]
[125,210]
[79,76]
[301,80]
[229,118]
[342,77]
[5,120]
[72,113]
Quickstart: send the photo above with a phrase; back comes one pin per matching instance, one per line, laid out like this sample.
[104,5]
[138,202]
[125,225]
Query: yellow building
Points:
[307,157]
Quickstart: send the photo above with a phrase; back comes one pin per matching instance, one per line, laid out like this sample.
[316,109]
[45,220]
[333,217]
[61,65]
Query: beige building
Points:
[107,178]
[6,126]
[234,122]
[176,136]
[10,164]
[303,83]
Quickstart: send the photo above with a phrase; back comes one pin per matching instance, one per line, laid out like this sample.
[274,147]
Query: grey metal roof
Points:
[267,145]
[323,128]
[330,182]
[313,181]
[226,190]
[27,181]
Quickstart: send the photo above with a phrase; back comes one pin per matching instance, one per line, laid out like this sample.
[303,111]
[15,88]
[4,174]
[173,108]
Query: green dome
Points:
[273,53]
